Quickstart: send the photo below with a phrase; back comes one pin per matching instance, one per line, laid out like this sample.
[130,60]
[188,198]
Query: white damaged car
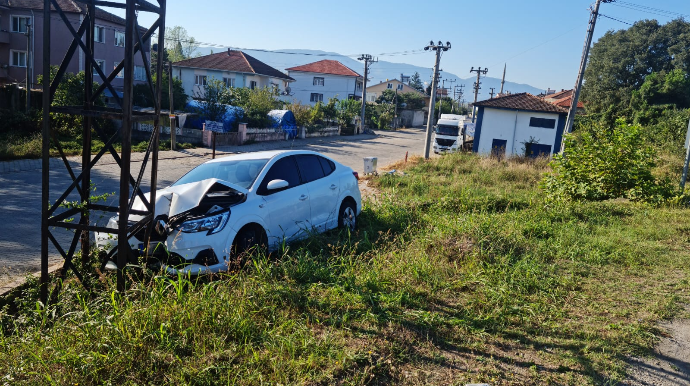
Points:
[223,207]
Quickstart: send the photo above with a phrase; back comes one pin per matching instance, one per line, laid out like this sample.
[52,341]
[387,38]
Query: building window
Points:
[390,85]
[229,82]
[358,86]
[400,86]
[252,84]
[99,34]
[318,81]
[120,74]
[17,58]
[542,122]
[316,97]
[119,39]
[19,23]
[139,73]
[101,65]
[200,80]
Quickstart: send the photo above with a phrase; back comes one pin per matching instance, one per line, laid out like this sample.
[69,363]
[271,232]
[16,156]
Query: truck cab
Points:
[452,132]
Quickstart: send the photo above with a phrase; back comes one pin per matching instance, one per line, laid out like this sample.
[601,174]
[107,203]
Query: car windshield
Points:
[240,172]
[447,130]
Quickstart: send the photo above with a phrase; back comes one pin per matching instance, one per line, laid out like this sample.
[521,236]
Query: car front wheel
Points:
[347,218]
[249,240]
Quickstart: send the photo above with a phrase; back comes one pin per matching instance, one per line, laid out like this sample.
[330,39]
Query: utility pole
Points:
[395,115]
[173,126]
[594,14]
[477,85]
[503,81]
[452,105]
[368,59]
[434,83]
[28,65]
[491,94]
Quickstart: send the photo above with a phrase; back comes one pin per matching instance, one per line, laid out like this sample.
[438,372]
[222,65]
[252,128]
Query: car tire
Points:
[347,216]
[250,240]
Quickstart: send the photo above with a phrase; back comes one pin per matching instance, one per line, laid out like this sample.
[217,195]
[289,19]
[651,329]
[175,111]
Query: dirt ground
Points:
[670,362]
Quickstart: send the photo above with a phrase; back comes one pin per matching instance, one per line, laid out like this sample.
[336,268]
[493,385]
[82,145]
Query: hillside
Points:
[380,71]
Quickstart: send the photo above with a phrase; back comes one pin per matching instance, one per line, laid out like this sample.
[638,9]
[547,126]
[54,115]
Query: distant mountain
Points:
[380,71]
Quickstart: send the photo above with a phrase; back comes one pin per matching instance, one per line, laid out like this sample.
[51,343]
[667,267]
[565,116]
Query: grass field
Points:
[459,272]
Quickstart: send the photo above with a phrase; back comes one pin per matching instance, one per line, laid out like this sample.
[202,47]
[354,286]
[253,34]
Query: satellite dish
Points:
[287,91]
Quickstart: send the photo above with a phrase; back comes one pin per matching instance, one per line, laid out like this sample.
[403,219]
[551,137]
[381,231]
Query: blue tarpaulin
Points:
[284,119]
[232,113]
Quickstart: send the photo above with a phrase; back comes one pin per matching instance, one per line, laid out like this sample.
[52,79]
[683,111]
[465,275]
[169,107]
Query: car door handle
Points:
[334,186]
[262,205]
[303,197]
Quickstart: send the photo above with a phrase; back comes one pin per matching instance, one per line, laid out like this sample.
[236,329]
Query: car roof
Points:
[260,155]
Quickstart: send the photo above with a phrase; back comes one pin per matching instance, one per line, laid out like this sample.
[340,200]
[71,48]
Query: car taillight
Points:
[356,175]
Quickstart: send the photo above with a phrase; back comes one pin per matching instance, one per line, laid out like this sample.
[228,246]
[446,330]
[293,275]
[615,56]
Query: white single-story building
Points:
[322,80]
[518,124]
[233,68]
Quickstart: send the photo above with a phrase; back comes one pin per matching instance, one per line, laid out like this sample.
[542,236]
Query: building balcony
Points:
[4,37]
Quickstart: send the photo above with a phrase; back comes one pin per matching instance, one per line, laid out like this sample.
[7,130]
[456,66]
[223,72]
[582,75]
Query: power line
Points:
[651,8]
[613,18]
[666,15]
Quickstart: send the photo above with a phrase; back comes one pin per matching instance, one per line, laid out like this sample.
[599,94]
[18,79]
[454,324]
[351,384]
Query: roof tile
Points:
[232,60]
[325,66]
[522,101]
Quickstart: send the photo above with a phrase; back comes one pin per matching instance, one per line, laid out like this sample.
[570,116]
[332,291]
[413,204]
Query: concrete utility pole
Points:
[434,83]
[594,14]
[452,105]
[477,85]
[503,81]
[173,126]
[368,59]
[491,94]
[28,64]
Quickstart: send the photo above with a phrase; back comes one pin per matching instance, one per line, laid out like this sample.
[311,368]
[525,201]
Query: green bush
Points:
[601,163]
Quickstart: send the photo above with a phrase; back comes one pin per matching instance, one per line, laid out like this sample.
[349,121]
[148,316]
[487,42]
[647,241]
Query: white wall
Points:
[514,127]
[241,79]
[334,86]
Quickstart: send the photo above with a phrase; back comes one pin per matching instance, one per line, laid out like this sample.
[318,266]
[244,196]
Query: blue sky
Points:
[540,40]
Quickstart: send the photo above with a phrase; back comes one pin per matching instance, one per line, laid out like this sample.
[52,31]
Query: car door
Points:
[323,191]
[287,209]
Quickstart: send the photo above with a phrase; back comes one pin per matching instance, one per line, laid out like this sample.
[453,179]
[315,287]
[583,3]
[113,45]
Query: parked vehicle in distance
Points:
[223,207]
[452,132]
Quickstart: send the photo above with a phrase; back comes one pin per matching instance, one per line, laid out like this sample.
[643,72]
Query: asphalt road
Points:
[20,186]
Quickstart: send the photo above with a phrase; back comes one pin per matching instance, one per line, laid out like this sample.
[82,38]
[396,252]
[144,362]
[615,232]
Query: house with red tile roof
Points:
[234,68]
[563,98]
[322,80]
[518,124]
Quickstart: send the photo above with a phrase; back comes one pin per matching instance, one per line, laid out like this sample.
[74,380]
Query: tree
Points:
[620,62]
[211,102]
[416,82]
[143,98]
[179,44]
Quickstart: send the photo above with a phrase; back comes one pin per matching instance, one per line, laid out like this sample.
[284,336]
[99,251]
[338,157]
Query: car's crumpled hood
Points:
[174,200]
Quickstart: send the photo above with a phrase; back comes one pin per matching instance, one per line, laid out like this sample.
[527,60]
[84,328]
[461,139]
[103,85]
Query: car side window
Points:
[309,167]
[327,165]
[283,169]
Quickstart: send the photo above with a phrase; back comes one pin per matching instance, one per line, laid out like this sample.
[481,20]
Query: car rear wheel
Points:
[251,240]
[347,218]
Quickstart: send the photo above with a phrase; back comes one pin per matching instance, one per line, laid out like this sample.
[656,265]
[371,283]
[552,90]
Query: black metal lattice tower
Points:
[54,215]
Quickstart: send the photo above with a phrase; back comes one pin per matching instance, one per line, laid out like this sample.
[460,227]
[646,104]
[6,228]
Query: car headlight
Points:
[212,224]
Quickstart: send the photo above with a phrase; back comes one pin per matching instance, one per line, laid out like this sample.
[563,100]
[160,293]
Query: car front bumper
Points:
[181,253]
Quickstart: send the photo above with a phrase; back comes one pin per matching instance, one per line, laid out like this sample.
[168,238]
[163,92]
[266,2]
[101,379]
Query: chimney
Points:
[229,50]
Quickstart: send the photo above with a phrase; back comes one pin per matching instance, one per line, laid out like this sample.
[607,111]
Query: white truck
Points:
[453,132]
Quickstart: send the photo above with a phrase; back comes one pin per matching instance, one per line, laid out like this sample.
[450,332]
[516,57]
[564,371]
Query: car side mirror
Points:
[277,184]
